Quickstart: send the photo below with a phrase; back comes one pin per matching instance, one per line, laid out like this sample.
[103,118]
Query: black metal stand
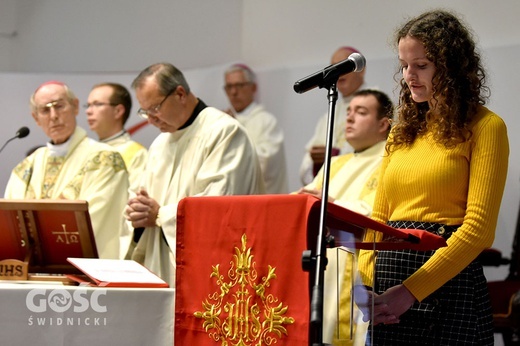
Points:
[319,261]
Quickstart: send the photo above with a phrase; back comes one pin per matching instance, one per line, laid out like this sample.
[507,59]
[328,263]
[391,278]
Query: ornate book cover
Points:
[46,233]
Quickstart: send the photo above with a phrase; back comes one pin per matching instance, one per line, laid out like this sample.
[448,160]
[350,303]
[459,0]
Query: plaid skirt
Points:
[458,313]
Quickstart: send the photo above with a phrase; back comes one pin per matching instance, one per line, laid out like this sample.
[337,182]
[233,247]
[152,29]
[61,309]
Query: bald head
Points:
[349,83]
[342,53]
[54,108]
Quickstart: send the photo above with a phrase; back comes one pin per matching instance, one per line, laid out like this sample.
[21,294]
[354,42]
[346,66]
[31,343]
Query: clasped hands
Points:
[142,210]
[388,306]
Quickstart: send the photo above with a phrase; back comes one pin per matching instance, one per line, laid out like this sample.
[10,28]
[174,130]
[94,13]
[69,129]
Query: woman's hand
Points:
[397,299]
[373,309]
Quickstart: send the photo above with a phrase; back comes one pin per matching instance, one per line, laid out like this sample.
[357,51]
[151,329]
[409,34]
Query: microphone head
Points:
[359,61]
[23,132]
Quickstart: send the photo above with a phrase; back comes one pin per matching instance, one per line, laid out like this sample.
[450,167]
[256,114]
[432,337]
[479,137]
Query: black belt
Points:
[439,229]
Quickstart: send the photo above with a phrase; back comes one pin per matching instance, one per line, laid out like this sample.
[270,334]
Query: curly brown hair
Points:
[458,83]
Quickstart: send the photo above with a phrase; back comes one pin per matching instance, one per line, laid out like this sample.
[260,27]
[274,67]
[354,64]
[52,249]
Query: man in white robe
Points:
[262,127]
[315,149]
[200,152]
[74,167]
[352,185]
[108,109]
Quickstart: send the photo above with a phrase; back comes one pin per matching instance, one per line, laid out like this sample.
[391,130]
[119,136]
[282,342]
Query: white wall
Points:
[307,31]
[86,42]
[123,35]
[7,32]
[127,35]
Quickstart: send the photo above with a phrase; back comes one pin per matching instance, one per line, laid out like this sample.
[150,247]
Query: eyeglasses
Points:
[98,104]
[145,113]
[45,110]
[229,87]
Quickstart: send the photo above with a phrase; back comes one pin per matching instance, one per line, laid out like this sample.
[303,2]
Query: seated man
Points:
[262,127]
[73,166]
[201,152]
[108,108]
[353,184]
[315,148]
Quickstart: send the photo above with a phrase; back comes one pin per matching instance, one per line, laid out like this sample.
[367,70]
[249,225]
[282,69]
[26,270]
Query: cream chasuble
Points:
[89,171]
[211,157]
[134,154]
[353,178]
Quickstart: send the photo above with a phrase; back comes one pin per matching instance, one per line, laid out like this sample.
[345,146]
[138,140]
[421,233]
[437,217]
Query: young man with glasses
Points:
[262,127]
[201,152]
[74,167]
[108,109]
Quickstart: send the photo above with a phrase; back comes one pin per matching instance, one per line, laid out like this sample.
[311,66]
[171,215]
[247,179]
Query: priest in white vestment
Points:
[200,152]
[74,167]
[108,109]
[262,127]
[352,185]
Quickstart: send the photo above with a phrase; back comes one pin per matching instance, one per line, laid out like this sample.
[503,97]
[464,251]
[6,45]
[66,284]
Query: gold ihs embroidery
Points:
[243,313]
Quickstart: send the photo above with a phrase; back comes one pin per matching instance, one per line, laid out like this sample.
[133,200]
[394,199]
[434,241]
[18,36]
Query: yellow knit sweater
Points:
[457,186]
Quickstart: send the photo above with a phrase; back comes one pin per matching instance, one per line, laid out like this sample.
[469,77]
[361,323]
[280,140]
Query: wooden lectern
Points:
[239,278]
[39,236]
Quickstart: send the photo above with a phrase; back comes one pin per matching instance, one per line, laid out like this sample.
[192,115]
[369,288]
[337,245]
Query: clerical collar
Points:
[117,135]
[247,110]
[198,108]
[59,149]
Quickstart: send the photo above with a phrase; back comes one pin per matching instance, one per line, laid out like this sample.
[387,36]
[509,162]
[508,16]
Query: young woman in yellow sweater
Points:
[444,172]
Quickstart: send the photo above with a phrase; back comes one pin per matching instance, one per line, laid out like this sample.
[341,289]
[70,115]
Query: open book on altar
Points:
[115,273]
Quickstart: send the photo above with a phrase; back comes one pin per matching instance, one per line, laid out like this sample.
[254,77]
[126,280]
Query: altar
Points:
[52,314]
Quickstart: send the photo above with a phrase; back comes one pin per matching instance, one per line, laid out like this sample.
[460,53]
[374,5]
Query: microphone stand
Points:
[316,306]
[7,142]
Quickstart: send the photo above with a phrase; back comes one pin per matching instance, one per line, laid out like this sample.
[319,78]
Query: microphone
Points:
[330,74]
[21,133]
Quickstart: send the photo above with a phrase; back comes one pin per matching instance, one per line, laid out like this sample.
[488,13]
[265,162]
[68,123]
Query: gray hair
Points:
[167,76]
[248,73]
[70,95]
